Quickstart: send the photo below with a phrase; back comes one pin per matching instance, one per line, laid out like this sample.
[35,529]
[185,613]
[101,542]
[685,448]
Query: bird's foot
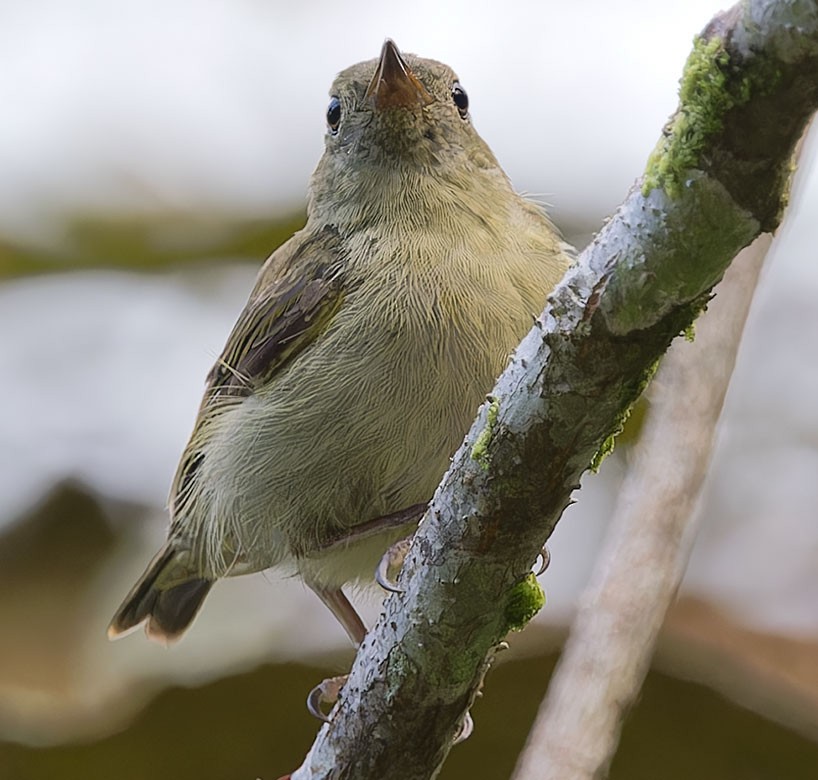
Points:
[391,562]
[545,558]
[466,729]
[325,693]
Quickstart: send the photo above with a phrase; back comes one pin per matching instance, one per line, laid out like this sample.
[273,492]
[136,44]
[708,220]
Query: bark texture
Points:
[647,545]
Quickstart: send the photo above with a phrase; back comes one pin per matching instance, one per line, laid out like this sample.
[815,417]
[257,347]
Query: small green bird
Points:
[367,344]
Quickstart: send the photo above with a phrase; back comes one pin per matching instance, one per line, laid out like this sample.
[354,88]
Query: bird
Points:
[367,344]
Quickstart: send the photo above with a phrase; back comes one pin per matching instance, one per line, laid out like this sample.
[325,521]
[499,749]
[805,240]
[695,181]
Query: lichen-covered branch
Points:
[647,545]
[717,179]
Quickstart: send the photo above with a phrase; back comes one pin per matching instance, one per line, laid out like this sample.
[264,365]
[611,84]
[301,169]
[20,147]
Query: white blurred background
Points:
[193,119]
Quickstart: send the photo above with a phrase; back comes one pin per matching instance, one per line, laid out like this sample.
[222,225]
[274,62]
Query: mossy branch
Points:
[717,179]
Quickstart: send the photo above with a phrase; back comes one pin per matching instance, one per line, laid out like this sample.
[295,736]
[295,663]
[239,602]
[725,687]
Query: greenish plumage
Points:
[369,340]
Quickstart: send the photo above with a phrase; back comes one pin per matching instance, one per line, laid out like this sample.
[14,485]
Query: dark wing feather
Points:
[293,302]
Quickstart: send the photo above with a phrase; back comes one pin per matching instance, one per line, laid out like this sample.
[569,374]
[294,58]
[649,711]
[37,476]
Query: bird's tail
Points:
[167,596]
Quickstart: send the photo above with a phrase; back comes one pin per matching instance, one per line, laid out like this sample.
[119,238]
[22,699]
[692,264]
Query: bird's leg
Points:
[377,525]
[344,612]
[326,692]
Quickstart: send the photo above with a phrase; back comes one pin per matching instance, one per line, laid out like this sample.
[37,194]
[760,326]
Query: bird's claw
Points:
[326,692]
[390,561]
[545,559]
[466,729]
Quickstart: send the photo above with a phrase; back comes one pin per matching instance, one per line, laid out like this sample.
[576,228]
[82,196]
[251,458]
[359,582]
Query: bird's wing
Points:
[298,292]
[296,296]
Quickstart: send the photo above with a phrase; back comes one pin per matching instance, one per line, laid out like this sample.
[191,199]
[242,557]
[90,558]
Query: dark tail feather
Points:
[168,610]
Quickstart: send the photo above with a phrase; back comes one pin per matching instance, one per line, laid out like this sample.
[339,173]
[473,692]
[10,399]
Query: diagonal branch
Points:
[717,178]
[647,545]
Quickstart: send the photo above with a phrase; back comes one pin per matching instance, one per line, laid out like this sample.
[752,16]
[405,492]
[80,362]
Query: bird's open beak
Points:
[394,85]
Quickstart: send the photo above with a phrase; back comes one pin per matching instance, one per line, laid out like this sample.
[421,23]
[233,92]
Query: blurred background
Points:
[151,156]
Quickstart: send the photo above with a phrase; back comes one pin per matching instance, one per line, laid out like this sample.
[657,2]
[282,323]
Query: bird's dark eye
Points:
[334,114]
[461,99]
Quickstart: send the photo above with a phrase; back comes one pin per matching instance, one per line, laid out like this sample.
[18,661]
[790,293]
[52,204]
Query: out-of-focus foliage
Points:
[148,242]
[255,725]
